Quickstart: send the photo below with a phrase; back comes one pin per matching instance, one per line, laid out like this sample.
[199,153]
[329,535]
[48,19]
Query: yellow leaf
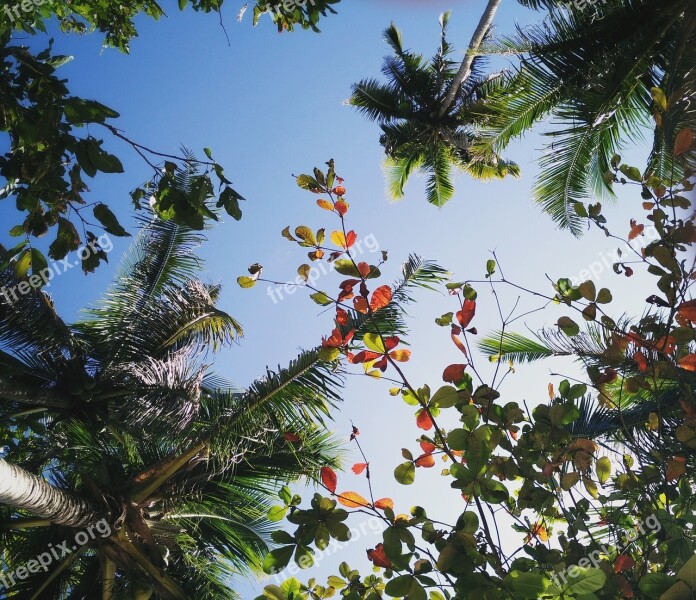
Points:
[325,204]
[603,468]
[338,238]
[352,500]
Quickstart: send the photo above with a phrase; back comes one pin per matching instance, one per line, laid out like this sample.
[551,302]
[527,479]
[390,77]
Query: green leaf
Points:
[527,585]
[687,573]
[79,111]
[321,298]
[588,290]
[277,513]
[277,559]
[246,282]
[445,320]
[490,267]
[584,581]
[631,172]
[568,326]
[374,342]
[654,585]
[109,221]
[569,480]
[445,397]
[405,473]
[604,296]
[603,468]
[38,261]
[405,585]
[22,264]
[229,199]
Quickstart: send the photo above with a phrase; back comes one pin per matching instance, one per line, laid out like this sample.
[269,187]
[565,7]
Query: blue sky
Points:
[270,105]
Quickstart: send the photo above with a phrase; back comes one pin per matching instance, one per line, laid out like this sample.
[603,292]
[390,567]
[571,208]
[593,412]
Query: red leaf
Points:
[623,562]
[359,468]
[352,500]
[427,447]
[384,503]
[391,342]
[379,557]
[426,461]
[683,141]
[360,304]
[334,341]
[363,269]
[453,373]
[381,298]
[341,316]
[465,315]
[641,361]
[291,437]
[329,479]
[341,207]
[364,356]
[423,420]
[351,236]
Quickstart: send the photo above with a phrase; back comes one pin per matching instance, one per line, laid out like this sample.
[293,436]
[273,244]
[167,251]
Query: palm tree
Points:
[116,420]
[593,73]
[427,112]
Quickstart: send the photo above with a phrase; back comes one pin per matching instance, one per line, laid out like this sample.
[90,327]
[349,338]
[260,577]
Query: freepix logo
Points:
[26,6]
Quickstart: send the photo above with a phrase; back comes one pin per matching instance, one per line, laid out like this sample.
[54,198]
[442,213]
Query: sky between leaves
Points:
[271,105]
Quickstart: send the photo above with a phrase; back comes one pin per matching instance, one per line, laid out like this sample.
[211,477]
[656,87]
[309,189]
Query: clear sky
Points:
[270,105]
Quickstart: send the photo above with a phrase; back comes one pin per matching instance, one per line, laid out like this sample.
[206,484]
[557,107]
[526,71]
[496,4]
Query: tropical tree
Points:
[115,419]
[185,504]
[602,76]
[428,111]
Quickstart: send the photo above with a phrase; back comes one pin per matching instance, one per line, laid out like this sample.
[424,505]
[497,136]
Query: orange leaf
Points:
[384,503]
[381,298]
[341,207]
[688,310]
[427,447]
[360,304]
[379,557]
[341,316]
[291,437]
[683,141]
[459,344]
[351,236]
[636,230]
[352,500]
[453,373]
[467,313]
[400,355]
[551,392]
[329,479]
[423,420]
[325,204]
[641,361]
[688,363]
[363,269]
[666,344]
[359,468]
[676,467]
[623,562]
[426,461]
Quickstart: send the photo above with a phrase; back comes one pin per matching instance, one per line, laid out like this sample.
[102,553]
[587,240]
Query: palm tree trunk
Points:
[33,396]
[23,490]
[474,44]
